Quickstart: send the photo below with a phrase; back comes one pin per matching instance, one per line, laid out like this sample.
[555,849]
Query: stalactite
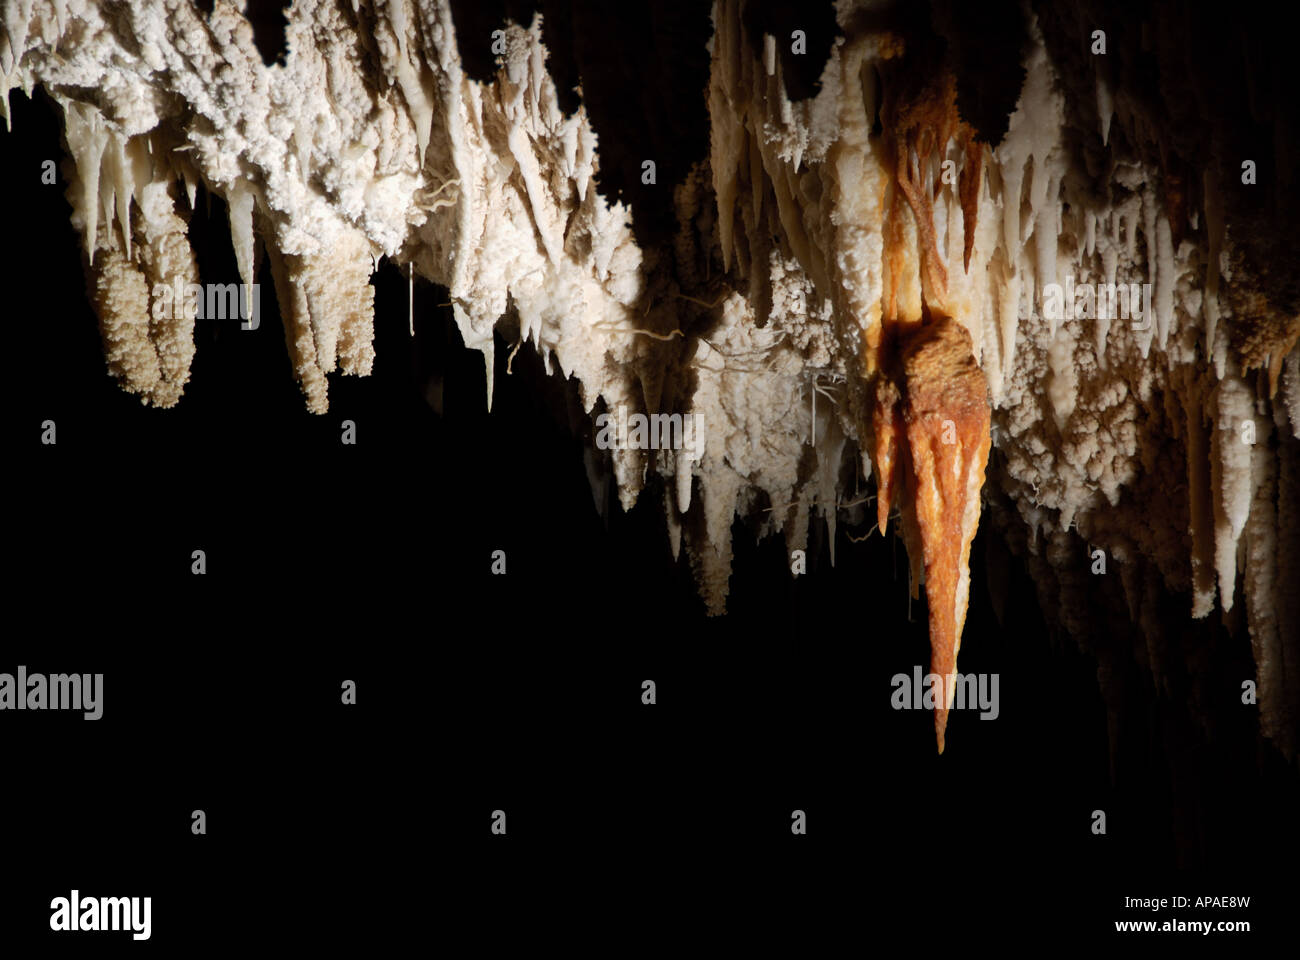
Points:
[821,261]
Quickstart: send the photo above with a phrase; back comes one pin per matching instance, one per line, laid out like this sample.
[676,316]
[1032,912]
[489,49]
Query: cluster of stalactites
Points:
[853,287]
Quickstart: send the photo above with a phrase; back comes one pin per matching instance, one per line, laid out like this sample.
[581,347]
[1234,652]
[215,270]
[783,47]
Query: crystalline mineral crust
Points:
[864,282]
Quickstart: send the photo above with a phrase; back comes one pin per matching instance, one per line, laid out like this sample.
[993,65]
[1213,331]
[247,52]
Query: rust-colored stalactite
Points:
[931,393]
[946,418]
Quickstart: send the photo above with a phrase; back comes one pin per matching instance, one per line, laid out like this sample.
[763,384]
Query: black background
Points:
[520,692]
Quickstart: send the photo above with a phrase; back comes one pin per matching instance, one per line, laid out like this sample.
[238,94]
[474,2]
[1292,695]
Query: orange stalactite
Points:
[930,410]
[946,418]
[911,181]
[968,190]
[886,425]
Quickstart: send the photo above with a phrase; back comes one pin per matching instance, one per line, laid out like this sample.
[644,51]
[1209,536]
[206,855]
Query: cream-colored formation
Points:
[768,315]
